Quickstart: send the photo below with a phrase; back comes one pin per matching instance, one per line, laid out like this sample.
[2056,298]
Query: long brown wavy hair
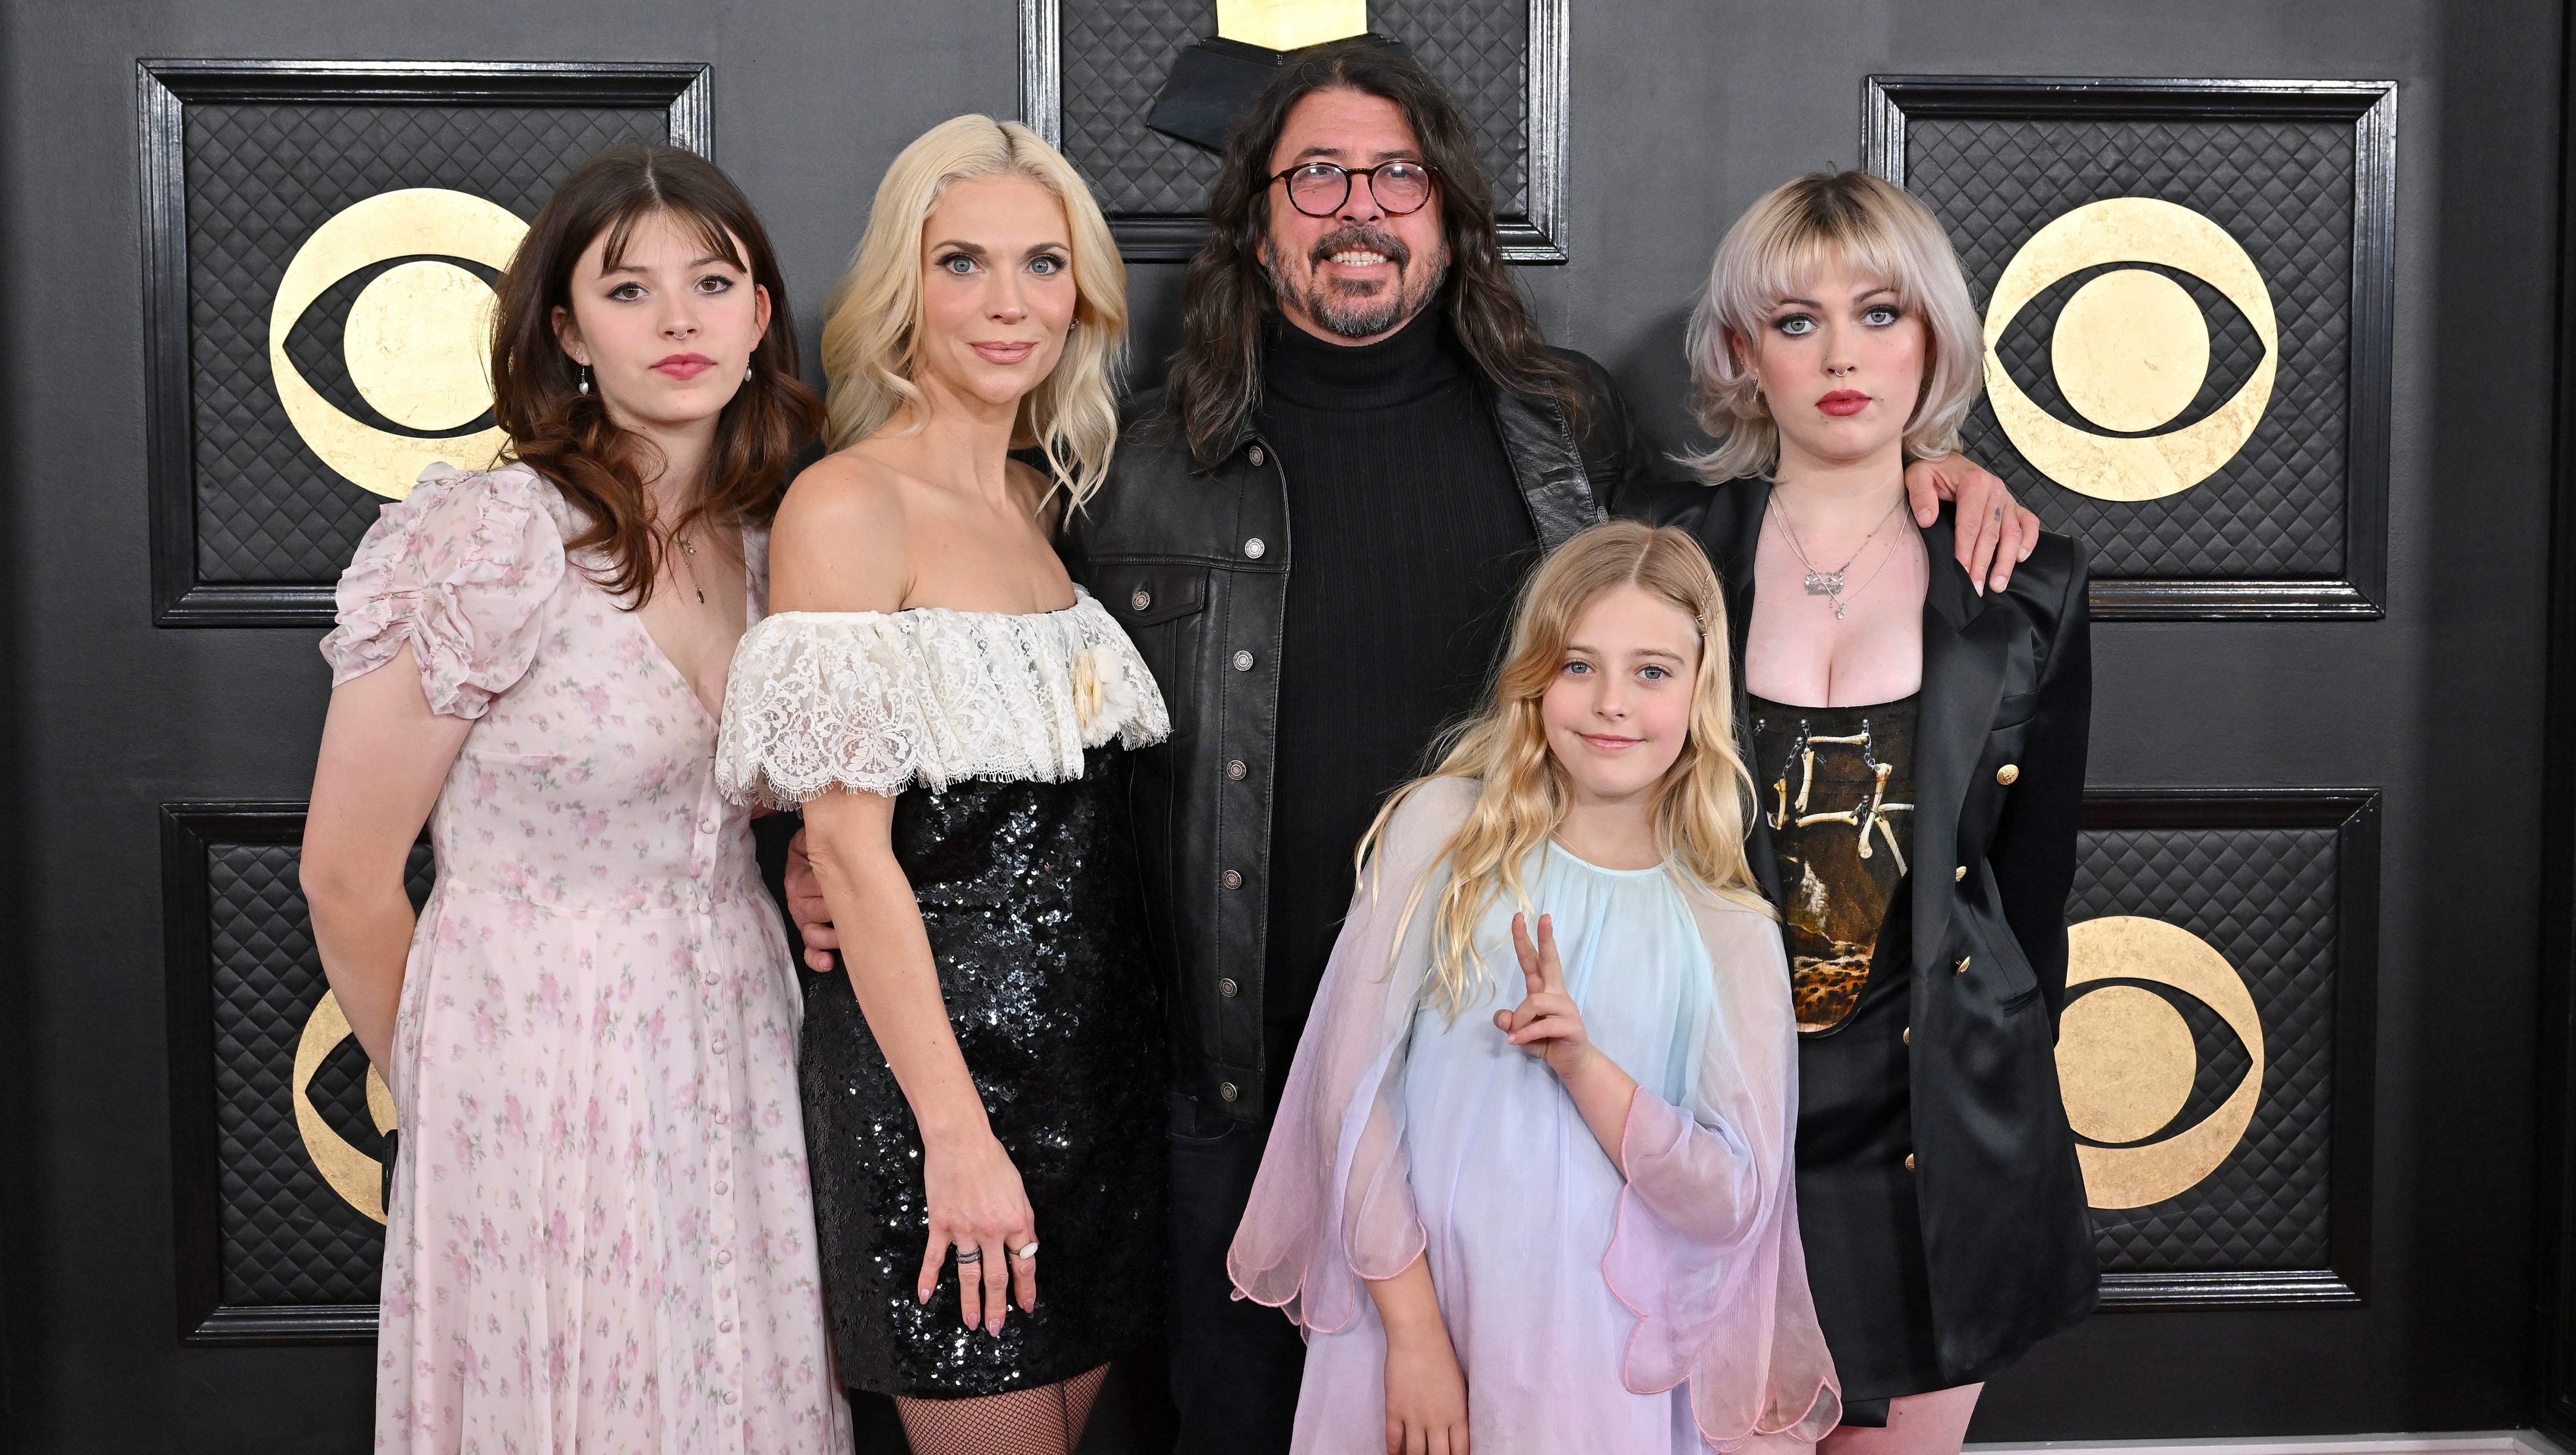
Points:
[1700,804]
[1228,302]
[566,435]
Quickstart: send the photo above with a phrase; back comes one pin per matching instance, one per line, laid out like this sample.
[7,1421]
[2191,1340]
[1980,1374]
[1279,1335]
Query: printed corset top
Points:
[1836,790]
[878,702]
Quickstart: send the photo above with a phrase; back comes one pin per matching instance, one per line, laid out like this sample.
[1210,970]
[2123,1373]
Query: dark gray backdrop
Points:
[1682,112]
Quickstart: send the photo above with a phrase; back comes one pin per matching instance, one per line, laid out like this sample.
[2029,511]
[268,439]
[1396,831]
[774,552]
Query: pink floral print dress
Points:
[600,1236]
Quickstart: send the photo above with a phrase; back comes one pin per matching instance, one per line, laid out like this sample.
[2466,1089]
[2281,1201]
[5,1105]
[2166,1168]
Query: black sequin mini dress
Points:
[998,736]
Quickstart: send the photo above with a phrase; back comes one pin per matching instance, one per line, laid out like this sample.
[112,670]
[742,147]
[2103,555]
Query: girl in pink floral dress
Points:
[600,1236]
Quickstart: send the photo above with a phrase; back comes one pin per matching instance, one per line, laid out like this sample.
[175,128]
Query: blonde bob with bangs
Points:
[1774,251]
[872,321]
[1700,803]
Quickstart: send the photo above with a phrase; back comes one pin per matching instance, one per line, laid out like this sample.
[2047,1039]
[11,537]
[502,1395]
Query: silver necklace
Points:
[1829,584]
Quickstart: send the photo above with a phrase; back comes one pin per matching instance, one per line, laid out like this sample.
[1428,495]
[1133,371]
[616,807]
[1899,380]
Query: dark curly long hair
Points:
[1228,302]
[566,435]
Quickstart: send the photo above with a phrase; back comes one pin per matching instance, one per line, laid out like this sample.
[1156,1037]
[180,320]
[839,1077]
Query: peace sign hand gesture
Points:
[1547,1022]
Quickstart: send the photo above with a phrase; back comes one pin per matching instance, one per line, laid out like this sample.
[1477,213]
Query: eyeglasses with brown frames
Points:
[1318,189]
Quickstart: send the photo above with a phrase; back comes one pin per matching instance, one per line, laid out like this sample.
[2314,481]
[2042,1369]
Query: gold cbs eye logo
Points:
[2130,349]
[355,1176]
[416,340]
[2127,1062]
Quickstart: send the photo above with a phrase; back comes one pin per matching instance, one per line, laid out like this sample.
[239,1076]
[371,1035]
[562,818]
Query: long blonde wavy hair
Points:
[872,322]
[1700,803]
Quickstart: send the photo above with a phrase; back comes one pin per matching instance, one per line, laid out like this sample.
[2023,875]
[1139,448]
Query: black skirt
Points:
[1030,896]
[1856,1208]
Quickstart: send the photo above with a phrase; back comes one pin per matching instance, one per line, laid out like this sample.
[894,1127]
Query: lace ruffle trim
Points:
[877,702]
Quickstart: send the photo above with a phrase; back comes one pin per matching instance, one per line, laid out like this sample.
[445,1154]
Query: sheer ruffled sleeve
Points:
[877,702]
[461,571]
[824,701]
[1333,1204]
[1707,1251]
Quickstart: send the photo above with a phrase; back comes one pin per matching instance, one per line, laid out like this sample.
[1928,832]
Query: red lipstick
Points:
[684,366]
[1843,403]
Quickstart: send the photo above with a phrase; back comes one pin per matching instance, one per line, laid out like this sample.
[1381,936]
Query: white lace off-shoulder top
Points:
[877,702]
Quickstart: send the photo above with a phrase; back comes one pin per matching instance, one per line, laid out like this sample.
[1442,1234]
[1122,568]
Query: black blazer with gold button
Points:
[2005,712]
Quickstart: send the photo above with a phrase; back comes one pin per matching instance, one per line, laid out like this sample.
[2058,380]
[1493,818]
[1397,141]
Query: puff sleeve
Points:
[1706,1252]
[461,570]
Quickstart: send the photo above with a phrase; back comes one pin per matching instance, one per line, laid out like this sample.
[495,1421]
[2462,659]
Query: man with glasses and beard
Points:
[1314,532]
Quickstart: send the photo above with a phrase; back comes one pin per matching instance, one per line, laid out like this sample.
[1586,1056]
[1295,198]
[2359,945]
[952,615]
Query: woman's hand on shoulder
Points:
[1993,532]
[839,541]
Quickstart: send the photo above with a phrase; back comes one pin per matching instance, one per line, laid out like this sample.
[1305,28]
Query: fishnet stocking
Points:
[1047,1420]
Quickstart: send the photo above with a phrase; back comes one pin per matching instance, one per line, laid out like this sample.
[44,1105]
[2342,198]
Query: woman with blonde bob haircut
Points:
[948,709]
[1918,743]
[1873,228]
[1470,1191]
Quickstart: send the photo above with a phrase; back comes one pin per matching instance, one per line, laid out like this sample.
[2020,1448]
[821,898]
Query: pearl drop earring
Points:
[585,378]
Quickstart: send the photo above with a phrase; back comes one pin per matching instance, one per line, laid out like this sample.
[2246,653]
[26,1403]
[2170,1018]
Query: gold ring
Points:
[1030,1251]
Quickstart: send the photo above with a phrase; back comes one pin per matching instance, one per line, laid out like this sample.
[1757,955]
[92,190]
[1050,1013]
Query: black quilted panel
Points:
[2265,899]
[261,177]
[1116,53]
[286,1237]
[2284,190]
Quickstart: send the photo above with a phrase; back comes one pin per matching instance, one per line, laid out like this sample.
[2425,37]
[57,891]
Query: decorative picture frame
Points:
[2183,856]
[2292,520]
[277,1123]
[226,460]
[1153,172]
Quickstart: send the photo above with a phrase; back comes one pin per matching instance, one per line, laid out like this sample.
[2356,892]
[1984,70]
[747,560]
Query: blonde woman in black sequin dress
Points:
[944,704]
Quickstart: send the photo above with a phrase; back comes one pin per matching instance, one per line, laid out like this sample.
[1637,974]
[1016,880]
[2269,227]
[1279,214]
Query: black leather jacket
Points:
[1999,756]
[1194,563]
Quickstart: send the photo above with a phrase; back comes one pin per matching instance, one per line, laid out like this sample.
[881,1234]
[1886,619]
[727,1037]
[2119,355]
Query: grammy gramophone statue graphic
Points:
[1215,81]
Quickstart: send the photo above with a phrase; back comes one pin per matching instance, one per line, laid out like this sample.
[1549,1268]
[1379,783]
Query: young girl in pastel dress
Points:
[1530,1187]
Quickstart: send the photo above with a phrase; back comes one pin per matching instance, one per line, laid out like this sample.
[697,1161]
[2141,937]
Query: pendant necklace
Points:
[688,554]
[1829,584]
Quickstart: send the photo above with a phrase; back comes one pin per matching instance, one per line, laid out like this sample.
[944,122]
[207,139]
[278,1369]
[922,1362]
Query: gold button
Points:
[1243,661]
[1253,548]
[2008,774]
[1963,964]
[1142,599]
[1235,770]
[1909,1161]
[1231,879]
[1256,457]
[1226,1090]
[1959,874]
[1907,1036]
[1227,988]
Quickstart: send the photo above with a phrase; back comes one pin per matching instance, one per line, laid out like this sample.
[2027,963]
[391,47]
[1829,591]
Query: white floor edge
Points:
[2446,1442]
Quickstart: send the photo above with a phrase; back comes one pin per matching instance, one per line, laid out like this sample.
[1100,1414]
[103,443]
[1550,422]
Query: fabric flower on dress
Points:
[1104,696]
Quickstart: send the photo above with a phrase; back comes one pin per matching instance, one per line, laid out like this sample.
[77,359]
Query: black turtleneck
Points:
[1407,539]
